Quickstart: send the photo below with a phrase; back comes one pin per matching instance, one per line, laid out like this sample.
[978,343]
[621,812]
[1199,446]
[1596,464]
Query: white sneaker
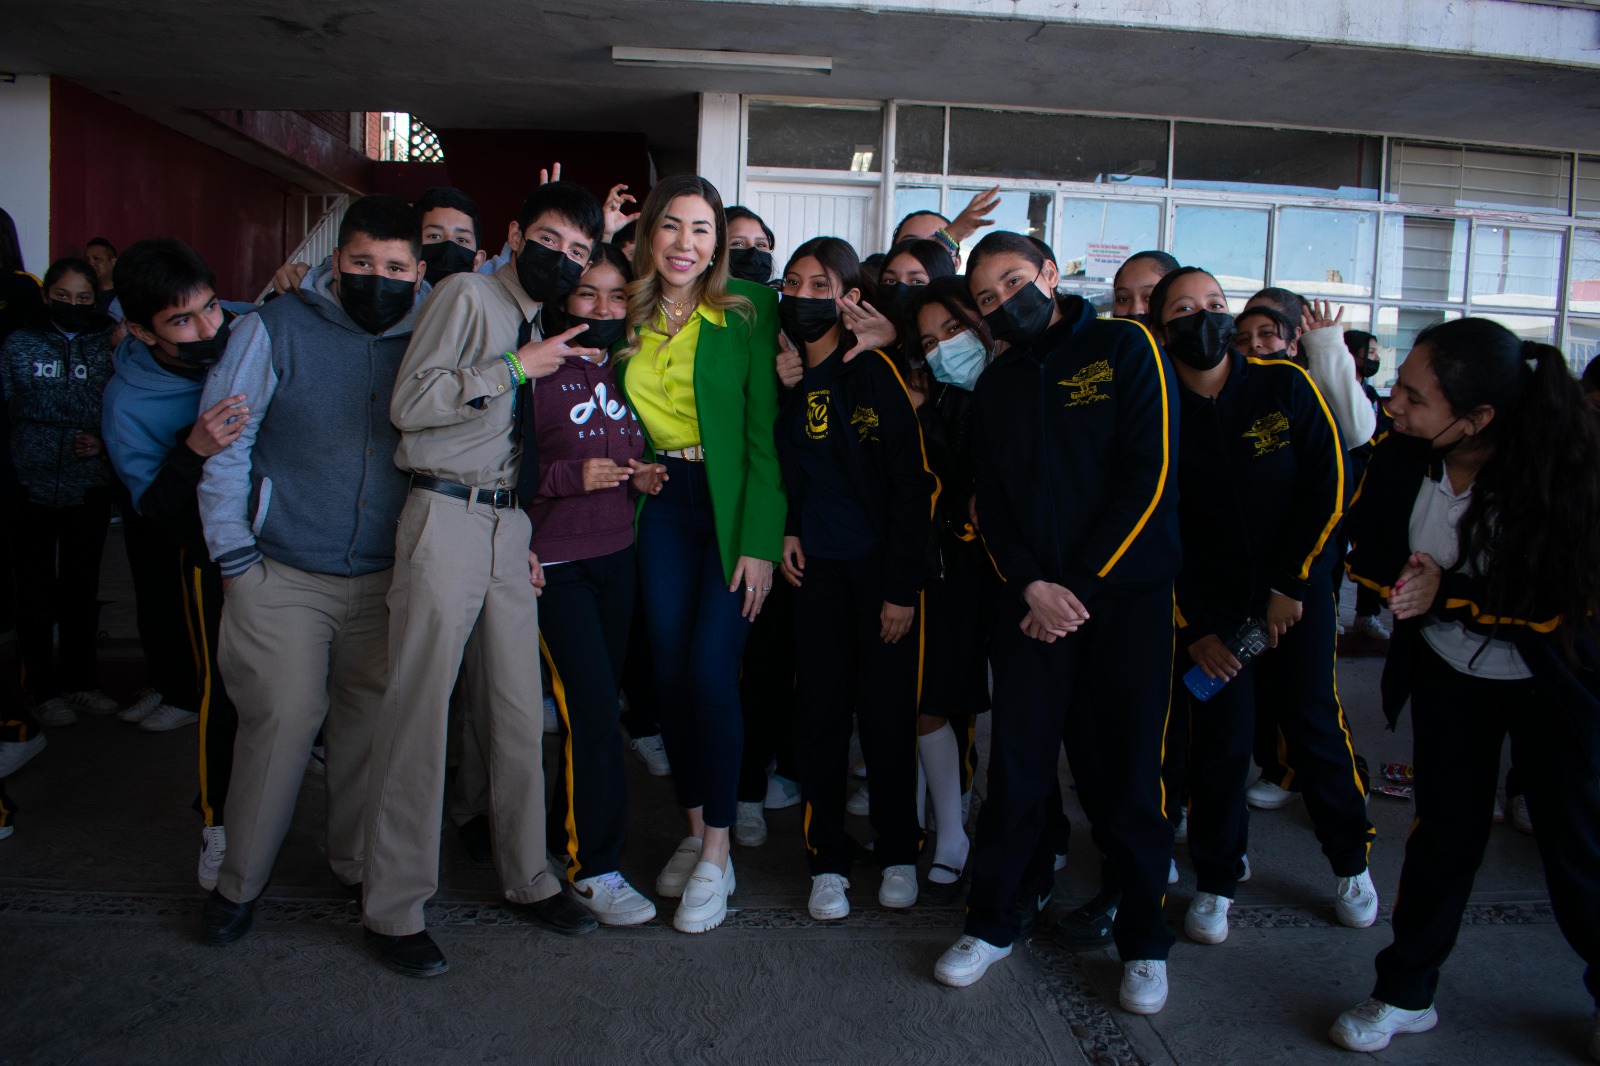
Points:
[781,792]
[1369,626]
[860,803]
[1265,796]
[1180,835]
[705,898]
[94,701]
[167,717]
[55,712]
[1521,820]
[1144,986]
[750,830]
[675,874]
[967,960]
[1207,919]
[1172,871]
[653,752]
[552,716]
[828,902]
[612,900]
[14,754]
[1357,901]
[142,705]
[213,846]
[1370,1026]
[899,888]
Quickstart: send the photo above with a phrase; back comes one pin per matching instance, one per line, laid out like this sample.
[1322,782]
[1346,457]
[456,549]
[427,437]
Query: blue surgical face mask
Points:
[959,360]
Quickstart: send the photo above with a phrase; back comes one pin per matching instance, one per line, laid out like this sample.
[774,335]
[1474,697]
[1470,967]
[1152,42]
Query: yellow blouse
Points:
[661,380]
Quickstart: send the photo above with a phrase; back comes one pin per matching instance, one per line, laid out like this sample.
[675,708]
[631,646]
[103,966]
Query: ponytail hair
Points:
[1535,511]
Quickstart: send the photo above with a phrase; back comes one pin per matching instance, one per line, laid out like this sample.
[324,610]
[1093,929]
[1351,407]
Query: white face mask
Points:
[959,360]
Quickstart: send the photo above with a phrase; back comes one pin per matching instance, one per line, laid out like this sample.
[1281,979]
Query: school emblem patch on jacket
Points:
[865,419]
[817,414]
[1085,384]
[1270,432]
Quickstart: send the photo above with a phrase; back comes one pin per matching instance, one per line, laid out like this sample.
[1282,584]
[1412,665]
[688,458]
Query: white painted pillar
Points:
[25,164]
[718,155]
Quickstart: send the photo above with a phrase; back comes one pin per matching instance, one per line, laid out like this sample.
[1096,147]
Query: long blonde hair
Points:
[644,293]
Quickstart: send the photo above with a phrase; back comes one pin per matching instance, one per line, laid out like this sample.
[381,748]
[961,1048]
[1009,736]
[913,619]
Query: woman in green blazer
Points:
[698,370]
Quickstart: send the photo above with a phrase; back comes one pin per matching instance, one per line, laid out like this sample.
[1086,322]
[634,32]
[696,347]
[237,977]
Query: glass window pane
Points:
[1589,185]
[1583,292]
[1457,176]
[1397,331]
[1027,213]
[807,137]
[1295,162]
[1424,258]
[1515,267]
[1230,242]
[914,199]
[1583,342]
[919,139]
[1021,144]
[1097,235]
[1528,327]
[1330,253]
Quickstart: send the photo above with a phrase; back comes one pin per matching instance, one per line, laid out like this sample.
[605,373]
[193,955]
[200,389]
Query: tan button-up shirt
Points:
[453,397]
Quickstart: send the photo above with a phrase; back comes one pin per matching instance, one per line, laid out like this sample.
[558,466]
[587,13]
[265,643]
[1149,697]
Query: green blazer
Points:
[736,393]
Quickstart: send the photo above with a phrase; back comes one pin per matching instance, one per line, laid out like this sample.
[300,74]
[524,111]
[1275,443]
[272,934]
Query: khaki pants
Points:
[300,652]
[461,573]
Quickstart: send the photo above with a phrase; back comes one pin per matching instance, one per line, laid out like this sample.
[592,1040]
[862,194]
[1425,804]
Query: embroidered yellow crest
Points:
[865,420]
[817,414]
[1270,432]
[1085,384]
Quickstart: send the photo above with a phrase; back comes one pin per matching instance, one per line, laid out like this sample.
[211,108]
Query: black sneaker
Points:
[1088,928]
[223,921]
[476,839]
[415,954]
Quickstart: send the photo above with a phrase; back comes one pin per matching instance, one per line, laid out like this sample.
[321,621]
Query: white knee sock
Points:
[941,763]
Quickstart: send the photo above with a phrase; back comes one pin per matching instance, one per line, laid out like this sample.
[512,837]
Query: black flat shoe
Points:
[475,838]
[415,954]
[223,921]
[943,893]
[1088,928]
[559,914]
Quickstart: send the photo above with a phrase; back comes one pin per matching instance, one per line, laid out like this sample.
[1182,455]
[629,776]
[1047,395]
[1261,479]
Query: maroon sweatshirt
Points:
[578,414]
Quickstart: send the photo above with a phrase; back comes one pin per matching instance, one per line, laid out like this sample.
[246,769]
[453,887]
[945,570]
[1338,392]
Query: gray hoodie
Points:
[311,480]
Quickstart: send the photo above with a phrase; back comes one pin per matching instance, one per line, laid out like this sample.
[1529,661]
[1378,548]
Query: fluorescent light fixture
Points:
[706,58]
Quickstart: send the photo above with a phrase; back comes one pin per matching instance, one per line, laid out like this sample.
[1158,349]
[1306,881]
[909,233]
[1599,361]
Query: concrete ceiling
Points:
[520,64]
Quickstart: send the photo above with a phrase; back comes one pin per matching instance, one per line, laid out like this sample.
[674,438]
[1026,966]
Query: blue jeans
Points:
[697,639]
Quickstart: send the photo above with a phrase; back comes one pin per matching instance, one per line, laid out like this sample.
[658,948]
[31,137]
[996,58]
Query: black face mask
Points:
[1200,340]
[602,332]
[1144,319]
[74,318]
[1022,318]
[805,318]
[546,274]
[893,296]
[751,264]
[1367,367]
[202,355]
[445,258]
[375,303]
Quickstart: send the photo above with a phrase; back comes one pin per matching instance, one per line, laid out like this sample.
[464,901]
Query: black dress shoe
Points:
[223,921]
[415,954]
[943,893]
[474,834]
[353,891]
[559,915]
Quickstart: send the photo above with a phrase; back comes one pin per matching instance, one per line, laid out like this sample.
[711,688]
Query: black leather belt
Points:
[497,497]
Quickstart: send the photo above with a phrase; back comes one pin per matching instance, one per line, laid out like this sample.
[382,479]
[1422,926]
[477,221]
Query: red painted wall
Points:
[119,175]
[499,168]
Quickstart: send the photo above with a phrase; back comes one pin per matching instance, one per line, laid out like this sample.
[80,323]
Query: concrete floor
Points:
[99,915]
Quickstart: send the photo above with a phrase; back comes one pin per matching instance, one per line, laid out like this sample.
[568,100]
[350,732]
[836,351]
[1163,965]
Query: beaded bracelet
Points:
[518,377]
[948,241]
